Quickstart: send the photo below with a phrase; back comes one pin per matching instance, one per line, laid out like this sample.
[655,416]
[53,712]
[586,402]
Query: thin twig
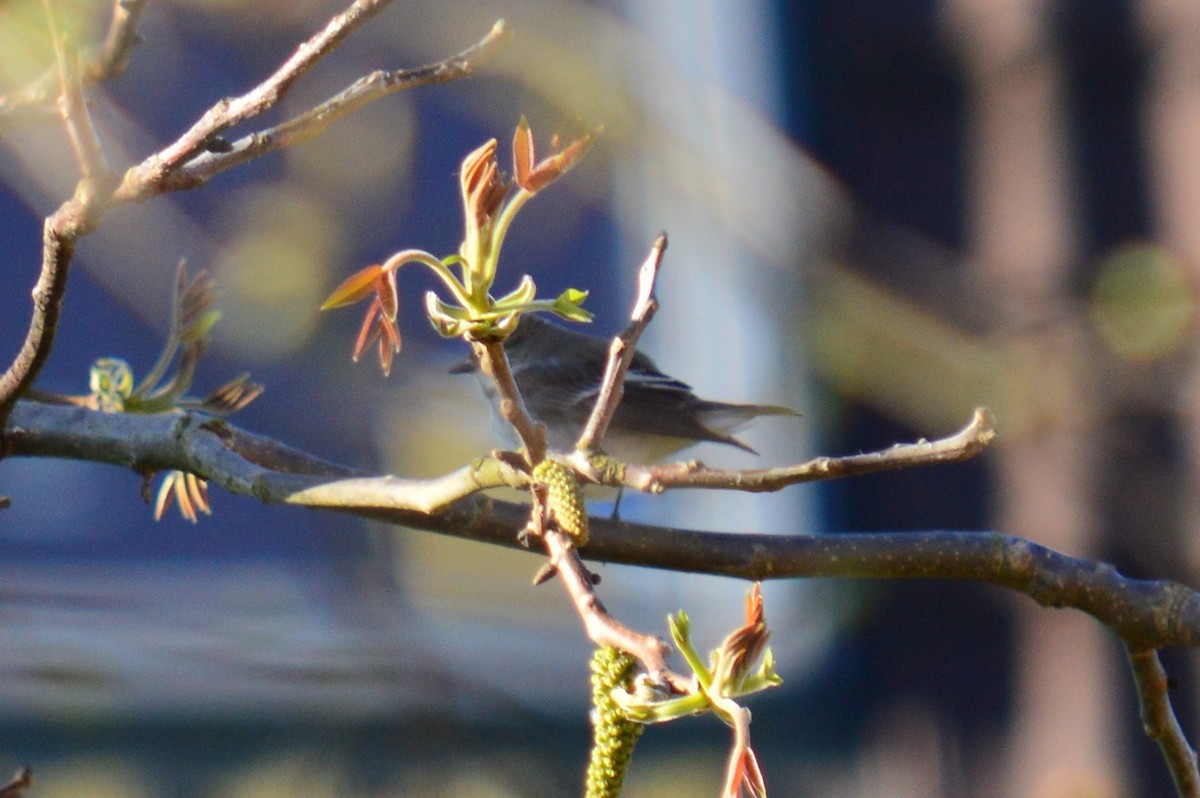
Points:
[1160,723]
[601,627]
[962,445]
[493,362]
[98,179]
[620,354]
[112,57]
[17,785]
[147,176]
[313,122]
[74,218]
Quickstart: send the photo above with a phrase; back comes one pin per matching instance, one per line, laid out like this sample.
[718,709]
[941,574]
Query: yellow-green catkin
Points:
[564,498]
[613,734]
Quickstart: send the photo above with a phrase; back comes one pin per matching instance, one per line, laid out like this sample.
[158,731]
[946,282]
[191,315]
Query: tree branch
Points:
[98,191]
[89,153]
[1145,614]
[98,64]
[962,445]
[112,57]
[493,362]
[622,350]
[16,786]
[149,175]
[1160,723]
[601,627]
[59,234]
[313,122]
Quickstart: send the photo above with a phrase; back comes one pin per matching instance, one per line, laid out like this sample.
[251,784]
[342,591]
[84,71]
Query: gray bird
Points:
[559,370]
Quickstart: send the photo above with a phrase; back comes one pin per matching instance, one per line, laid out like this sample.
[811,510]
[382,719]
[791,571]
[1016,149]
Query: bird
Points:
[558,372]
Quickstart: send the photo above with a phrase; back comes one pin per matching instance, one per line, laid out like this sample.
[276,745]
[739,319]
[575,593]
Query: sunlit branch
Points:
[624,347]
[1160,723]
[1144,614]
[99,191]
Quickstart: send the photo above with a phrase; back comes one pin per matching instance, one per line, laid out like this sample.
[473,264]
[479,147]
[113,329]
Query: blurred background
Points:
[881,213]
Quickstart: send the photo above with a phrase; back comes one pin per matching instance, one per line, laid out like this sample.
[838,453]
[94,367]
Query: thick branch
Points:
[1144,614]
[58,245]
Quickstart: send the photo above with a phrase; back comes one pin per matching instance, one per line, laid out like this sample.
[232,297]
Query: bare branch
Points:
[58,245]
[21,781]
[493,362]
[105,62]
[313,122]
[1160,723]
[112,57]
[95,194]
[601,627]
[75,217]
[962,445]
[1144,614]
[624,347]
[140,180]
[97,177]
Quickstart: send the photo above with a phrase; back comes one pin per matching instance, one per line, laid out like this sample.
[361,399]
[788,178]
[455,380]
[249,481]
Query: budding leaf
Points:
[568,305]
[357,286]
[200,328]
[522,294]
[523,154]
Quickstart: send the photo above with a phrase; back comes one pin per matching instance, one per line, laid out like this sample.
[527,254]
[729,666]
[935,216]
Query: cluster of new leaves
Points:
[192,320]
[741,665]
[113,389]
[490,201]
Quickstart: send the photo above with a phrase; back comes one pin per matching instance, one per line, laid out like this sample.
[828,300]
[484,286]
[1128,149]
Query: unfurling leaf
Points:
[569,303]
[446,319]
[368,333]
[483,189]
[522,294]
[199,329]
[555,166]
[385,289]
[356,287]
[192,299]
[232,396]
